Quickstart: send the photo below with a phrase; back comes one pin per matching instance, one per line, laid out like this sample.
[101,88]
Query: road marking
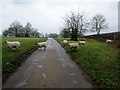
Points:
[44,75]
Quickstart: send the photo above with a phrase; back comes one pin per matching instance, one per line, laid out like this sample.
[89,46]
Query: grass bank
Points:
[12,59]
[99,60]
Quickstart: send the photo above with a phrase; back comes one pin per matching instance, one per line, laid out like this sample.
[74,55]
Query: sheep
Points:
[73,45]
[13,44]
[41,44]
[108,41]
[65,42]
[81,42]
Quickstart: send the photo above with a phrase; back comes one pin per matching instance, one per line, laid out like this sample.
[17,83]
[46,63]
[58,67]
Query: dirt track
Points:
[51,68]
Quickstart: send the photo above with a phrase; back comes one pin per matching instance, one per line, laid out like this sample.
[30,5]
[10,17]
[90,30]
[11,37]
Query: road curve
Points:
[50,68]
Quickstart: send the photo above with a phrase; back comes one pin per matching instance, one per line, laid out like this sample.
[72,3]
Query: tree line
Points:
[77,24]
[17,30]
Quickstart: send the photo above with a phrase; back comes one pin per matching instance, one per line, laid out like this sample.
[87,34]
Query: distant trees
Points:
[17,30]
[76,25]
[5,33]
[53,35]
[28,29]
[13,29]
[98,23]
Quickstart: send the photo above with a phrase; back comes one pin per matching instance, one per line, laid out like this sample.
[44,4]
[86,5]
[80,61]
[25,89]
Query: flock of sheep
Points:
[14,45]
[80,42]
[74,45]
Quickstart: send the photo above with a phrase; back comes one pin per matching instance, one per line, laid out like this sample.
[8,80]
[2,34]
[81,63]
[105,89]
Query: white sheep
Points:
[65,42]
[108,41]
[13,44]
[41,44]
[81,42]
[73,45]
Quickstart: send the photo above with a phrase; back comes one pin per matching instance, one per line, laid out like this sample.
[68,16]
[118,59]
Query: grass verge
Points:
[12,59]
[99,60]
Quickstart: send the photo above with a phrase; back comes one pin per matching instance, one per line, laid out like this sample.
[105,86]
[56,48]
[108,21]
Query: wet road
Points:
[51,68]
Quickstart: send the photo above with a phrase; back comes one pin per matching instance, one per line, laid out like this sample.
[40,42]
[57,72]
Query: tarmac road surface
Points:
[50,68]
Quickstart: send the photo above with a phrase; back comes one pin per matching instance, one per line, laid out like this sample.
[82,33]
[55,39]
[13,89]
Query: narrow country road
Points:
[50,68]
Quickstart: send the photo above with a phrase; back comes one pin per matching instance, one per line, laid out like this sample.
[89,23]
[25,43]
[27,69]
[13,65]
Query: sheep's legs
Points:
[39,48]
[44,48]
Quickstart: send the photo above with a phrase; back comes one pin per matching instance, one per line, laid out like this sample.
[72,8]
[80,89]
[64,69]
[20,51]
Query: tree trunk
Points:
[76,35]
[15,32]
[98,32]
[76,38]
[72,35]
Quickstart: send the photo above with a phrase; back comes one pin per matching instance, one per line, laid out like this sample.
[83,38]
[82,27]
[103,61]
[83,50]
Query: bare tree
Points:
[72,25]
[76,25]
[98,23]
[83,24]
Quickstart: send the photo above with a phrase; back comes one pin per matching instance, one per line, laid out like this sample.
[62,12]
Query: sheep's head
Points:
[5,41]
[36,43]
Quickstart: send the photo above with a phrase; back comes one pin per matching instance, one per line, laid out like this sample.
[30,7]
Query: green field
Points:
[10,58]
[99,60]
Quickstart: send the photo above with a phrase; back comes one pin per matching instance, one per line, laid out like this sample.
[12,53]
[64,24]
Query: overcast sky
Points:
[47,15]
